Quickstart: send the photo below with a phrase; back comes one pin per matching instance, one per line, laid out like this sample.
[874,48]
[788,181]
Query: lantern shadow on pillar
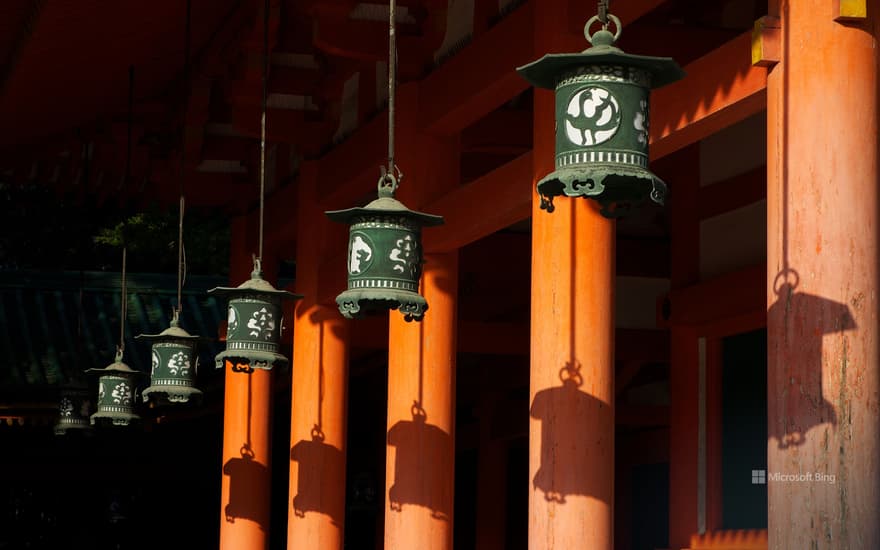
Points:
[418,448]
[805,319]
[245,503]
[319,469]
[571,419]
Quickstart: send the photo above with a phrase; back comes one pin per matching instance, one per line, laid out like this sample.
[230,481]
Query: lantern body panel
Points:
[254,323]
[384,266]
[116,394]
[602,115]
[173,373]
[384,259]
[73,410]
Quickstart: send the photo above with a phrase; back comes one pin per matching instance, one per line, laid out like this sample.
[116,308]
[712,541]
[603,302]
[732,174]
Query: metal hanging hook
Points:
[603,12]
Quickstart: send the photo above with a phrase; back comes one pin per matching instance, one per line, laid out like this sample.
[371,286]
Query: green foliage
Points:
[39,230]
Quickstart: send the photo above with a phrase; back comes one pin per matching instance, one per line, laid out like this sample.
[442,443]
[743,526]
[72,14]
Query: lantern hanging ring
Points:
[618,26]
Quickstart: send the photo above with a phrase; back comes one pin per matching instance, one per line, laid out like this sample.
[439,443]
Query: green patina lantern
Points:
[384,255]
[175,360]
[74,408]
[602,112]
[255,320]
[117,389]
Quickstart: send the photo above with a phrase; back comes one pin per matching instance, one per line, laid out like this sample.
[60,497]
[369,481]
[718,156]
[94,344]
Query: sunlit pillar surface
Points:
[823,418]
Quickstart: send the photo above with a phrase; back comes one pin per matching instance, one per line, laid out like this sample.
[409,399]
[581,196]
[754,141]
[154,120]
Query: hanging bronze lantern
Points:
[117,389]
[174,366]
[384,255]
[253,332]
[74,408]
[602,114]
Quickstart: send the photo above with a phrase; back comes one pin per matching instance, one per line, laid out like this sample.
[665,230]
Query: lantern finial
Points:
[602,118]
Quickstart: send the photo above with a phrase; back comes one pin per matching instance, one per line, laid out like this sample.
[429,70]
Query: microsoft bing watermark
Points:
[761,477]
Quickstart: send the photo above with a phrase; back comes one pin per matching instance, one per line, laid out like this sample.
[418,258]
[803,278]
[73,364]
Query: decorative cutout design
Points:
[66,407]
[262,324]
[592,116]
[406,256]
[156,363]
[360,253]
[179,364]
[641,123]
[122,394]
[232,320]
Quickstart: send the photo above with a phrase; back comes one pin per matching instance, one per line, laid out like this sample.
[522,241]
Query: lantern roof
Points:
[384,205]
[255,285]
[116,367]
[545,72]
[173,332]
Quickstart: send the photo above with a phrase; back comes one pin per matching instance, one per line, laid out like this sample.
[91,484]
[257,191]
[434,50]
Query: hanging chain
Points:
[263,122]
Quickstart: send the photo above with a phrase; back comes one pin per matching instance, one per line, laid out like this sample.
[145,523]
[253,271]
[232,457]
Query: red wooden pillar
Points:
[247,428]
[822,262]
[316,509]
[571,431]
[683,178]
[419,465]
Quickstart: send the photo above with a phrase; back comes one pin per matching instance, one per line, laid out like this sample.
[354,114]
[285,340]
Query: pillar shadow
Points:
[805,319]
[245,473]
[419,444]
[572,420]
[320,468]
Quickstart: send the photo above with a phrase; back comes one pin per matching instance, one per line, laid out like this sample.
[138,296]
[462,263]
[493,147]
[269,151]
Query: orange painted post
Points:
[822,276]
[419,464]
[247,428]
[571,430]
[420,451]
[682,173]
[316,508]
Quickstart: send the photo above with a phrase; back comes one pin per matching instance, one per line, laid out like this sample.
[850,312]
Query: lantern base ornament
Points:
[355,304]
[616,188]
[161,394]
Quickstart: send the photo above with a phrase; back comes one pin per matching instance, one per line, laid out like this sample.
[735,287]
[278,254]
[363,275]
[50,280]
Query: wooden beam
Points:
[733,193]
[733,294]
[721,88]
[482,207]
[479,78]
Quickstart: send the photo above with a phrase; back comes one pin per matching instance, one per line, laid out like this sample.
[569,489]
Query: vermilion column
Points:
[247,406]
[419,456]
[823,382]
[419,465]
[316,509]
[571,430]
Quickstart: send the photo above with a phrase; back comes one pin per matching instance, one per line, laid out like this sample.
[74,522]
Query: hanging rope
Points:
[123,310]
[129,124]
[181,270]
[392,82]
[603,12]
[263,124]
